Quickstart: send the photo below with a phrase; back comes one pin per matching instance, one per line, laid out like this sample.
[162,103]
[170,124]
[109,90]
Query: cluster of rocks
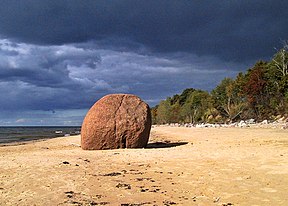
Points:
[279,123]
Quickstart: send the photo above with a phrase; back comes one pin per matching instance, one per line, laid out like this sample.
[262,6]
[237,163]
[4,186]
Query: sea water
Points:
[18,134]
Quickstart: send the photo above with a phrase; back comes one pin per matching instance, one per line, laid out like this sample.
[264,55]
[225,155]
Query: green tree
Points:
[154,114]
[227,98]
[185,95]
[164,112]
[175,113]
[195,106]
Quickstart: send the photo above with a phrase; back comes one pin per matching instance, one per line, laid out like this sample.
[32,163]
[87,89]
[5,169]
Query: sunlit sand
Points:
[184,166]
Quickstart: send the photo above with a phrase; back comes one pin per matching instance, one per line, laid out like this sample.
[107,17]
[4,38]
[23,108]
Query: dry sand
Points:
[192,166]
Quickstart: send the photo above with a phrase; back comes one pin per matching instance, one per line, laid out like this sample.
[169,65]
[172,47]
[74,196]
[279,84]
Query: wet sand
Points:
[181,166]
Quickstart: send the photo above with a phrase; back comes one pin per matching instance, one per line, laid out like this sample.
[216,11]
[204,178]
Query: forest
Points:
[261,93]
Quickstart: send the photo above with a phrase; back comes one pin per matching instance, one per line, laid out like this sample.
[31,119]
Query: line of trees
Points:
[260,93]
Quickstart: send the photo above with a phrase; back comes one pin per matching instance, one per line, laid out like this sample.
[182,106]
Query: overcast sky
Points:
[58,57]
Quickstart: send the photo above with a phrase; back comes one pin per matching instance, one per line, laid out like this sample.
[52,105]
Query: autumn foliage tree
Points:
[255,90]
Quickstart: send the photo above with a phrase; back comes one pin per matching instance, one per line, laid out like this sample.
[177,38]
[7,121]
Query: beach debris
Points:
[264,121]
[76,145]
[69,194]
[216,199]
[116,121]
[44,147]
[135,172]
[98,196]
[227,204]
[142,179]
[155,190]
[285,126]
[136,204]
[98,203]
[124,185]
[75,198]
[168,202]
[66,163]
[144,190]
[183,197]
[112,174]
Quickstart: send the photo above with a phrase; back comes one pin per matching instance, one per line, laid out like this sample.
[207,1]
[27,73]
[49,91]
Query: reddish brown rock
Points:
[116,121]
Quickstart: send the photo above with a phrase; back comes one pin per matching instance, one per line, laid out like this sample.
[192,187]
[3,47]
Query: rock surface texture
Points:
[116,121]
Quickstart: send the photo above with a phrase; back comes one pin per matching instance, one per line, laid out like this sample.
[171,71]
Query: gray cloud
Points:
[74,77]
[40,117]
[230,30]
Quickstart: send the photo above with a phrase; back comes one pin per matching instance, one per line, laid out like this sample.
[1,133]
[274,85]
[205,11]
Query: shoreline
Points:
[32,140]
[25,140]
[40,139]
[21,134]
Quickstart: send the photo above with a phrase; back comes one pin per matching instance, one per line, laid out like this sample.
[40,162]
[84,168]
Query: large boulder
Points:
[116,121]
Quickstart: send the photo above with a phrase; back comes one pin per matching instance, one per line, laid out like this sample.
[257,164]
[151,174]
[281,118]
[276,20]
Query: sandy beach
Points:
[181,166]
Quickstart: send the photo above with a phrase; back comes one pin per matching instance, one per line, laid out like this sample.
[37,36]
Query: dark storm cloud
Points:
[231,30]
[74,76]
[46,77]
[62,56]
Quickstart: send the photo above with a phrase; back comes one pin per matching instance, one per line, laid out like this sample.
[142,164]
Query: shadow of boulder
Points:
[164,144]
